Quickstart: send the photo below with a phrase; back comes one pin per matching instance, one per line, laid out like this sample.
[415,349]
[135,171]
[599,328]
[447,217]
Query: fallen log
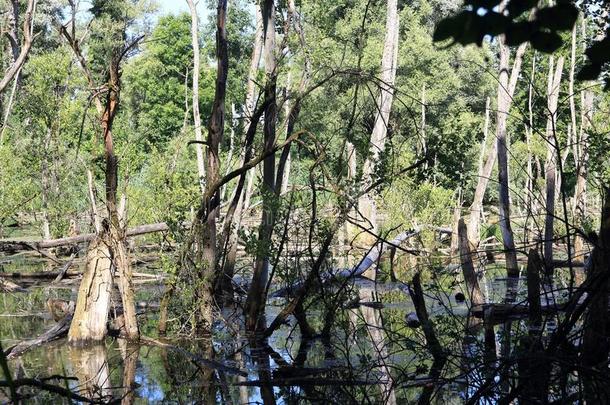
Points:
[58,331]
[16,245]
[367,261]
[8,286]
[42,384]
[499,313]
[70,274]
[316,381]
[41,274]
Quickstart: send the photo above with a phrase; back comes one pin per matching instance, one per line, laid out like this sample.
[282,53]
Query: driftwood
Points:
[16,245]
[64,269]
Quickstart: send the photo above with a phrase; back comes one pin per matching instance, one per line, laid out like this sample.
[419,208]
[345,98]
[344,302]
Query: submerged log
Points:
[500,313]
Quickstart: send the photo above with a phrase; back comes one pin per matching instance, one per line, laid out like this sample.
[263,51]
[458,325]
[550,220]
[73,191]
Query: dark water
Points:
[371,356]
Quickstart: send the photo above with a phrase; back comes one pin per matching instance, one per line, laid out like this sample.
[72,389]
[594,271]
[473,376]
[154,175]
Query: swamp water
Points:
[372,356]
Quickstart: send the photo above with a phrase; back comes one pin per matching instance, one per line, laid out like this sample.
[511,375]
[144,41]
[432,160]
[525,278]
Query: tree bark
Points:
[205,226]
[366,204]
[554,82]
[581,154]
[470,276]
[93,301]
[28,39]
[505,95]
[255,300]
[504,102]
[196,73]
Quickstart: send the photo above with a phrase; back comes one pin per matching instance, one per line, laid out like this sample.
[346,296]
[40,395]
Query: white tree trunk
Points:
[554,82]
[196,114]
[505,97]
[367,206]
[504,102]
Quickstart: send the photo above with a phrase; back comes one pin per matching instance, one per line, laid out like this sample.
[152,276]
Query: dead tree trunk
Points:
[389,61]
[44,182]
[554,82]
[529,133]
[93,301]
[505,97]
[196,114]
[504,102]
[581,155]
[470,276]
[24,48]
[113,236]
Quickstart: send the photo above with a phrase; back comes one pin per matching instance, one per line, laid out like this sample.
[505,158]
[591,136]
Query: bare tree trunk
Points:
[581,154]
[44,177]
[93,301]
[505,95]
[196,73]
[529,133]
[285,177]
[366,204]
[243,196]
[255,301]
[470,276]
[207,214]
[504,102]
[457,216]
[423,144]
[229,164]
[9,106]
[113,236]
[24,48]
[554,82]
